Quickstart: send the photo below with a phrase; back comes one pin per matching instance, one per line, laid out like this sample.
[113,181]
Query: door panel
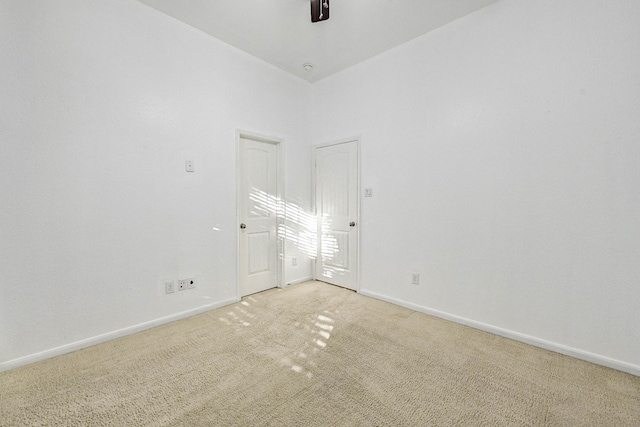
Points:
[258,250]
[335,180]
[338,242]
[337,211]
[257,214]
[257,175]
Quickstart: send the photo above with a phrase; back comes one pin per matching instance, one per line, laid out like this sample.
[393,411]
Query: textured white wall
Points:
[100,105]
[503,150]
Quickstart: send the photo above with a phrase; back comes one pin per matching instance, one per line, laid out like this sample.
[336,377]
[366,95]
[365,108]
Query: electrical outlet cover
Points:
[169,286]
[182,284]
[191,282]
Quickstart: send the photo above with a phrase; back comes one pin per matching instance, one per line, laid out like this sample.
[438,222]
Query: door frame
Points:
[314,208]
[280,204]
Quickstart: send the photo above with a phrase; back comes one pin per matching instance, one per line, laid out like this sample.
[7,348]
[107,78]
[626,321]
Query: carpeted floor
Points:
[316,355]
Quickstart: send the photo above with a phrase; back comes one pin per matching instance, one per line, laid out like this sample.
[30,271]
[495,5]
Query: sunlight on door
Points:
[299,227]
[267,224]
[337,209]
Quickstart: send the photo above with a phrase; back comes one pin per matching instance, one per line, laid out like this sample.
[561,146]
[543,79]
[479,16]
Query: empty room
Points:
[320,213]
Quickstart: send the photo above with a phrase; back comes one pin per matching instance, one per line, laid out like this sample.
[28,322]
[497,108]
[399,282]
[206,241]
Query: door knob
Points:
[352,224]
[243,226]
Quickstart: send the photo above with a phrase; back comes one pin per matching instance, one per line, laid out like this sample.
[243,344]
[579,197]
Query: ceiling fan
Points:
[319,10]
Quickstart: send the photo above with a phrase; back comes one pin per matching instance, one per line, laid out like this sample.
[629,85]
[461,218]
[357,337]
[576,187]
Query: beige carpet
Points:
[316,355]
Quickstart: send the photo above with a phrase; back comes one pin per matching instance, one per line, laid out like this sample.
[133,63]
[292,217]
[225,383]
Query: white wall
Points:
[101,102]
[503,150]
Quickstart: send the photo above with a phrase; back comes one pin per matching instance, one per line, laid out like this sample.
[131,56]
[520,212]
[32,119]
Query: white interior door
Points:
[257,215]
[336,193]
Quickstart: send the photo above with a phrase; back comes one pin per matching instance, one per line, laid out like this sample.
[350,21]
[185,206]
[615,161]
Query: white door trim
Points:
[314,149]
[280,209]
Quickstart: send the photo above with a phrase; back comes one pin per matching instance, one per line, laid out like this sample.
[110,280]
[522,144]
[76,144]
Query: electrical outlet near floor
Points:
[415,279]
[294,260]
[191,282]
[182,284]
[169,286]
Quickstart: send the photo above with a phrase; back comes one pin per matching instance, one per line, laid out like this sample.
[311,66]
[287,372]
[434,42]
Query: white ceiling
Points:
[280,31]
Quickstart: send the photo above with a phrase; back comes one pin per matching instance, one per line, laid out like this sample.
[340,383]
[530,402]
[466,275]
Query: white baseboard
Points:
[88,342]
[527,339]
[298,281]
